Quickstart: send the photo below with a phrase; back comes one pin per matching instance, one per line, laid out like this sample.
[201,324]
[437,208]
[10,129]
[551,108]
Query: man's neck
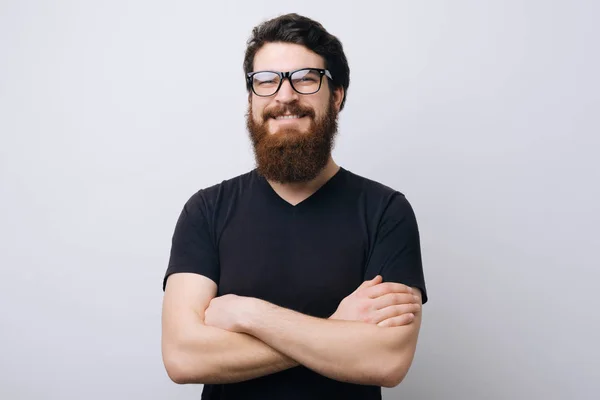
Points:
[295,193]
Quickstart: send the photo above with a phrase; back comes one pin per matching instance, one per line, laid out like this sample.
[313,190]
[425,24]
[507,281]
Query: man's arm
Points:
[347,351]
[196,353]
[343,350]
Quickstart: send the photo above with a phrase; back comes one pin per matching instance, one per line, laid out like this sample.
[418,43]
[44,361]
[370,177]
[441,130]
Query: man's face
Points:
[295,148]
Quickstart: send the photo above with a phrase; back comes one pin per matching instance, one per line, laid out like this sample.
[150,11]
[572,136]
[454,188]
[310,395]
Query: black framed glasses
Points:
[303,81]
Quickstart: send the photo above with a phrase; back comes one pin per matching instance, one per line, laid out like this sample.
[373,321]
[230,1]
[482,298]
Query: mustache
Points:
[294,109]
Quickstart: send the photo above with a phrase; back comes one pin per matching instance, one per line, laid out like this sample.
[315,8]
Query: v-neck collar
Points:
[271,193]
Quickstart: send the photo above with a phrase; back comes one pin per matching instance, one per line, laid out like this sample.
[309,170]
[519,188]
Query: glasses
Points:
[303,81]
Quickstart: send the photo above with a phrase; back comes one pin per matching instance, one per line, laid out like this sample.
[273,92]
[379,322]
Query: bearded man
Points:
[298,279]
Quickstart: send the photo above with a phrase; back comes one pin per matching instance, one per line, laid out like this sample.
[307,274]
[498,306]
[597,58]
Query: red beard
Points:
[291,156]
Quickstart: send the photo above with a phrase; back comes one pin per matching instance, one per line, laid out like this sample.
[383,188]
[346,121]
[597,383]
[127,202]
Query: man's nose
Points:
[286,93]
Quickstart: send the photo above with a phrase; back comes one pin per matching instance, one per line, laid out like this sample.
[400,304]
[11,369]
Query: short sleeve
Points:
[396,252]
[192,247]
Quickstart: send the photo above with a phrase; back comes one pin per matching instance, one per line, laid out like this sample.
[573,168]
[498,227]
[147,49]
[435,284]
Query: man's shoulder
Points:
[371,186]
[379,197]
[227,189]
[235,183]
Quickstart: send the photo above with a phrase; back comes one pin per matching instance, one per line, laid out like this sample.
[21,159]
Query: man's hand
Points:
[385,304]
[227,312]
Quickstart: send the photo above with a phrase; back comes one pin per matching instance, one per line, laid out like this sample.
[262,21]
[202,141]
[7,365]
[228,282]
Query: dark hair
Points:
[294,28]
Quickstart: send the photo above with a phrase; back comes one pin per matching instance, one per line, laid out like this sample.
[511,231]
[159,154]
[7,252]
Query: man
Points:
[298,279]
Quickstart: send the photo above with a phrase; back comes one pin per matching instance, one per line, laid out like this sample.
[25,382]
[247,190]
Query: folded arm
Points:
[200,346]
[348,351]
[196,353]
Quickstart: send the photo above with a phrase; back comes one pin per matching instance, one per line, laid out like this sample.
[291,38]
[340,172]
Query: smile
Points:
[284,117]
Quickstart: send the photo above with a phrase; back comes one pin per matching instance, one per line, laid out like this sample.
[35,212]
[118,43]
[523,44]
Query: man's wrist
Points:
[252,312]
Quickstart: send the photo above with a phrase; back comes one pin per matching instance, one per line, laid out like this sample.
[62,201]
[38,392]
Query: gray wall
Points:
[485,114]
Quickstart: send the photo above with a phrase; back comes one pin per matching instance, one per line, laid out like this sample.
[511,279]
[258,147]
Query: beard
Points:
[290,155]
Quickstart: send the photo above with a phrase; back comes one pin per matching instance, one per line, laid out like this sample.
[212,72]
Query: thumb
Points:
[370,283]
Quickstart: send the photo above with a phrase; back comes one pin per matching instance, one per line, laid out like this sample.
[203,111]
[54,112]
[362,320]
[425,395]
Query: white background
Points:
[485,114]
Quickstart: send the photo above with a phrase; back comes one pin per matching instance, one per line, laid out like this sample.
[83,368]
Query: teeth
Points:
[287,117]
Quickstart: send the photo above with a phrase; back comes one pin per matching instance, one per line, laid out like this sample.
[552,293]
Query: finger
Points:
[391,299]
[396,311]
[401,320]
[369,283]
[387,287]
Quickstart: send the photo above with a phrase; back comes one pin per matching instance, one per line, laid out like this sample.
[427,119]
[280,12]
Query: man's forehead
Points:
[286,57]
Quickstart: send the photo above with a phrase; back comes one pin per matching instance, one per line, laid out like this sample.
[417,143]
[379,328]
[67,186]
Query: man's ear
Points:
[338,97]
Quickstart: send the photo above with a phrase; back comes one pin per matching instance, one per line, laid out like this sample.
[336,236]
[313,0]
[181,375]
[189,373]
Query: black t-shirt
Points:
[306,257]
